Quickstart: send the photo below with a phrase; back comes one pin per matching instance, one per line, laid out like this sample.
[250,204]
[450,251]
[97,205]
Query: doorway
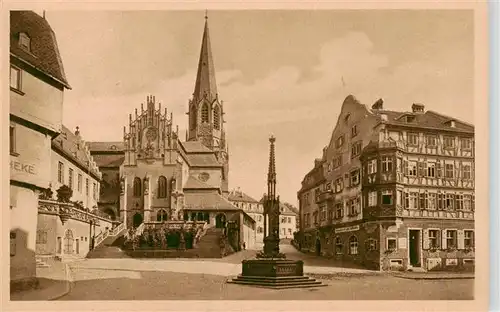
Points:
[137,219]
[220,220]
[414,248]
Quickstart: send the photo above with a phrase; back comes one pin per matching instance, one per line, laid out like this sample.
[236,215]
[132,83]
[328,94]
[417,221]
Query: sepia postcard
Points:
[229,156]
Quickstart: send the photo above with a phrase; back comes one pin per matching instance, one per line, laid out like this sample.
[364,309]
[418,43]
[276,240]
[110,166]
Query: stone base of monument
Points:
[274,273]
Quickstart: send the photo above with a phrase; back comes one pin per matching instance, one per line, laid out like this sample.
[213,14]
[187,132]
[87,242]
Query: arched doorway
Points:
[161,216]
[220,220]
[110,213]
[137,219]
[68,242]
[318,247]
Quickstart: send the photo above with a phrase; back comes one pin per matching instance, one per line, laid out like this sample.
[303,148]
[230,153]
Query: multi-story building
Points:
[37,84]
[288,222]
[398,189]
[308,208]
[253,208]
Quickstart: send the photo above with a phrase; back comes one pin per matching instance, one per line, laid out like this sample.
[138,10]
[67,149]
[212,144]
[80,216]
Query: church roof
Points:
[106,146]
[207,201]
[109,160]
[205,78]
[43,53]
[202,160]
[195,147]
[193,183]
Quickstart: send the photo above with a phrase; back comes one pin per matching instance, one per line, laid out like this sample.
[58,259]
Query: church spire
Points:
[271,175]
[205,78]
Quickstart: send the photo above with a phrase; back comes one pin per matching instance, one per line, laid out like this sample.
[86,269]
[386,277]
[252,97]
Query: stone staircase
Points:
[209,245]
[103,251]
[277,282]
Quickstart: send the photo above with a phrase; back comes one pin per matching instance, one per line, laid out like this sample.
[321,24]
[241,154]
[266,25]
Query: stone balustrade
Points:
[71,210]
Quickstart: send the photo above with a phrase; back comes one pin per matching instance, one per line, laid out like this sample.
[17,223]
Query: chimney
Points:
[379,104]
[417,108]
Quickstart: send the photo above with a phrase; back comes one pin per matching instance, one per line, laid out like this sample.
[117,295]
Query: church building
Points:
[154,176]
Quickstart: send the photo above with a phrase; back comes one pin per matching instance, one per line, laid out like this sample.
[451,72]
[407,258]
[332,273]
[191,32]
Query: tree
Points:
[64,194]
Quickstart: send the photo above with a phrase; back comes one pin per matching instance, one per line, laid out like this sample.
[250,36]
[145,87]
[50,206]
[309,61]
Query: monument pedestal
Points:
[274,273]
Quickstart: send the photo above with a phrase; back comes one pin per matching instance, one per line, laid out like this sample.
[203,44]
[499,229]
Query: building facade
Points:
[37,84]
[398,190]
[253,208]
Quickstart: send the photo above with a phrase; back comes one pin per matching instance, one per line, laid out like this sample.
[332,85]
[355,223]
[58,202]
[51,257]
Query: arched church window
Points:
[162,187]
[192,121]
[204,113]
[161,216]
[217,118]
[137,187]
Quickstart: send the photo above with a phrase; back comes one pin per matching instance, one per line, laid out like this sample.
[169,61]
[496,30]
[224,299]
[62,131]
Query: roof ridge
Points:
[450,118]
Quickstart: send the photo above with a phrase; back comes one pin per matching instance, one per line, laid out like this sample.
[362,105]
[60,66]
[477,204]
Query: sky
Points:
[278,72]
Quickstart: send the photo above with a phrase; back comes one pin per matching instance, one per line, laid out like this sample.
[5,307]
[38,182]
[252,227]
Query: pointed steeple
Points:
[205,78]
[271,175]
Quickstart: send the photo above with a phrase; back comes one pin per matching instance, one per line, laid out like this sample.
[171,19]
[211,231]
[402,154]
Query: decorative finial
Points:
[206,14]
[77,132]
[272,139]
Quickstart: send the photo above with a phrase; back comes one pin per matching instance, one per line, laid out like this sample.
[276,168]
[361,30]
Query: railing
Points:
[101,237]
[69,209]
[115,231]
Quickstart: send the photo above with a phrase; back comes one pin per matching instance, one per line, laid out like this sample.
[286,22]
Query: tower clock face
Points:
[151,134]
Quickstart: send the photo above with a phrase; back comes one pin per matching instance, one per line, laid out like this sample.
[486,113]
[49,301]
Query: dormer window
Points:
[410,118]
[113,147]
[25,41]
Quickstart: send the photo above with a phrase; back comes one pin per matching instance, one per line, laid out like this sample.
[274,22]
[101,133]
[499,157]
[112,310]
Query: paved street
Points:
[170,279]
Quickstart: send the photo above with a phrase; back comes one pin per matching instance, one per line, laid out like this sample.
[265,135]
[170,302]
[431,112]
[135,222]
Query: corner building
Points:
[398,190]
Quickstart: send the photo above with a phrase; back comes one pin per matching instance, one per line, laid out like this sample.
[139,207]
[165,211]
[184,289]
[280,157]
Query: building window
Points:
[162,187]
[467,202]
[412,139]
[355,149]
[466,143]
[448,173]
[354,131]
[412,168]
[12,140]
[339,185]
[192,120]
[137,187]
[449,201]
[466,172]
[431,201]
[353,245]
[260,229]
[451,239]
[79,185]
[459,199]
[217,118]
[372,166]
[328,186]
[289,231]
[323,213]
[338,245]
[15,78]
[372,199]
[434,239]
[371,245]
[413,202]
[387,197]
[353,206]
[386,164]
[70,178]
[391,244]
[41,237]
[94,191]
[431,170]
[87,187]
[60,172]
[204,113]
[339,210]
[25,41]
[337,162]
[468,239]
[355,177]
[430,141]
[330,214]
[449,142]
[340,141]
[289,220]
[161,215]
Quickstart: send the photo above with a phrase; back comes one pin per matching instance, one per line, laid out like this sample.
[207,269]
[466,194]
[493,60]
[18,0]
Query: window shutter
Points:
[425,239]
[460,239]
[443,239]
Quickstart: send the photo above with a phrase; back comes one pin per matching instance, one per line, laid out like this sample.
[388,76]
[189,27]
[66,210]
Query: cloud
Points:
[300,112]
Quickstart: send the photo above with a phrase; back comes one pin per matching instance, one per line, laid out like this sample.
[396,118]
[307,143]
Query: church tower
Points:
[206,111]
